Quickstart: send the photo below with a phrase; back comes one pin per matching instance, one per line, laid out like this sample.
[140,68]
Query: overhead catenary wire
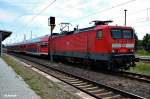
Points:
[36,15]
[17,18]
[121,4]
[90,14]
[2,26]
[24,26]
[132,13]
[137,12]
[104,10]
[41,11]
[118,5]
[129,14]
[148,13]
[94,13]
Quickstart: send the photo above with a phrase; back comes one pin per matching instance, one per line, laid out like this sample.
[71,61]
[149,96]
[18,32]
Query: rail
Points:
[93,88]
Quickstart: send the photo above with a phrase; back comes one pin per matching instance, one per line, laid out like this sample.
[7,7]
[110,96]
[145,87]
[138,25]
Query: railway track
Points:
[145,59]
[97,90]
[136,76]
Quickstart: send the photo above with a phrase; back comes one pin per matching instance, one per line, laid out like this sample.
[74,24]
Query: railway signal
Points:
[51,23]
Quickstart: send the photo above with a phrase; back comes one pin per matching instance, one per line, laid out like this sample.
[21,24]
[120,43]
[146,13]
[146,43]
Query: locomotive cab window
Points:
[115,33]
[99,34]
[127,34]
[121,33]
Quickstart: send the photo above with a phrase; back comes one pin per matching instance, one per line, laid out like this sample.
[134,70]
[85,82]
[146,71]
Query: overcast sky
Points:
[23,16]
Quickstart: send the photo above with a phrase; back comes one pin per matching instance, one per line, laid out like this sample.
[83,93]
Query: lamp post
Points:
[125,16]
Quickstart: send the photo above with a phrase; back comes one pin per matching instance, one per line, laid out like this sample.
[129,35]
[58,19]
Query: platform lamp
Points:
[51,23]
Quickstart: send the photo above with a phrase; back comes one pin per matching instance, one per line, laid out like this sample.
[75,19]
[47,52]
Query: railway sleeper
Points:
[76,82]
[134,76]
[99,92]
[81,84]
[114,97]
[104,94]
[96,90]
[142,78]
[103,91]
[71,80]
[66,76]
[91,88]
[85,86]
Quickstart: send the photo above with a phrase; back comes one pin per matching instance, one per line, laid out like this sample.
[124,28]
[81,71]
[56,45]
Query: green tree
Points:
[145,41]
[136,41]
[139,44]
[148,45]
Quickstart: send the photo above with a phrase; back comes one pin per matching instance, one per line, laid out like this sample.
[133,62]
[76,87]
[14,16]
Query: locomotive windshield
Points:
[121,33]
[127,34]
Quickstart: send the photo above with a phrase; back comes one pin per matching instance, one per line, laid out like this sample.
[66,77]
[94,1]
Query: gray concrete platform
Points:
[12,86]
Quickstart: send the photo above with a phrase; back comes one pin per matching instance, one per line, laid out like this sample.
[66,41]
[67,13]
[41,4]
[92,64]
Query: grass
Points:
[142,52]
[141,68]
[41,85]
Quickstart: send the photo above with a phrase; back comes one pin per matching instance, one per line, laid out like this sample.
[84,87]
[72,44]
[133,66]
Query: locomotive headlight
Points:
[113,51]
[132,50]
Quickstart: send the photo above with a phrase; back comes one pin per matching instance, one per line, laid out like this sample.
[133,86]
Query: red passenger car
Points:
[37,46]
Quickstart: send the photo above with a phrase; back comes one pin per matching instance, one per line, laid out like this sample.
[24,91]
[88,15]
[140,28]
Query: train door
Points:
[101,44]
[90,41]
[38,48]
[44,48]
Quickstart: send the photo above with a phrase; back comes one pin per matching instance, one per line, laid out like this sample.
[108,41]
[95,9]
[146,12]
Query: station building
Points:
[3,35]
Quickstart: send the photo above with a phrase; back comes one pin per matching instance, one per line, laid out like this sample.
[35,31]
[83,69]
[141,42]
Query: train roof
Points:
[94,28]
[46,37]
[112,26]
[34,40]
[39,39]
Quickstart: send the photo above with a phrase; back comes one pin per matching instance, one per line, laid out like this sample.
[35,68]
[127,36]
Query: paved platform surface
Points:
[12,86]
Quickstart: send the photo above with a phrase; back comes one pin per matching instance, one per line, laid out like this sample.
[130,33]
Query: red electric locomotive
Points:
[102,43]
[112,45]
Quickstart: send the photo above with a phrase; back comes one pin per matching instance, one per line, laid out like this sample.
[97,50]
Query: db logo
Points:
[123,45]
[67,43]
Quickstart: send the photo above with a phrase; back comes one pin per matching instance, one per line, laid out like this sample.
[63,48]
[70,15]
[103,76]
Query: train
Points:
[109,46]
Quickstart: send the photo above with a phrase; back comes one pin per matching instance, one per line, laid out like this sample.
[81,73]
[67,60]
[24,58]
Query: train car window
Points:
[99,34]
[44,44]
[127,34]
[116,33]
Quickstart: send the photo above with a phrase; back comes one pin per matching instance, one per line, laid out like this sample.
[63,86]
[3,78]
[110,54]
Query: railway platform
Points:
[12,86]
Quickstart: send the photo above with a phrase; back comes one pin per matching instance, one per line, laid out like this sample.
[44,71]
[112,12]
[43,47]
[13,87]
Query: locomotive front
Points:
[123,42]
